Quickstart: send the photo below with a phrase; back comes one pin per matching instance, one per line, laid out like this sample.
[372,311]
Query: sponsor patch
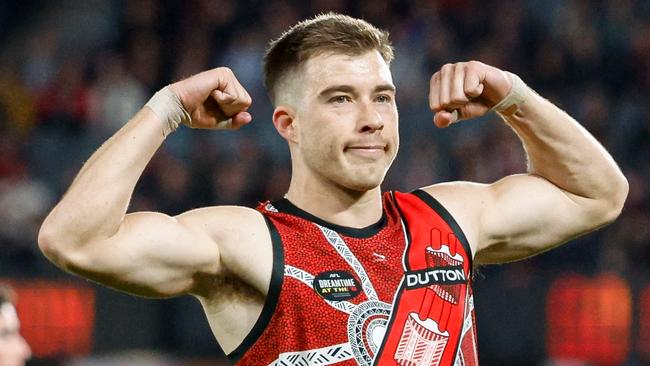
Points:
[336,285]
[448,275]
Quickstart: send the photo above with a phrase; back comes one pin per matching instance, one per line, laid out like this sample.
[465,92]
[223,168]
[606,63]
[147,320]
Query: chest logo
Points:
[336,285]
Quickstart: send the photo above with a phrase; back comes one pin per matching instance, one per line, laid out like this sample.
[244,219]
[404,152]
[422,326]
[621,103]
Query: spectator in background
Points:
[14,351]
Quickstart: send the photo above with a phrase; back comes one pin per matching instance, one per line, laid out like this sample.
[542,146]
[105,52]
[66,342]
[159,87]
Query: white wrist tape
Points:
[168,107]
[515,98]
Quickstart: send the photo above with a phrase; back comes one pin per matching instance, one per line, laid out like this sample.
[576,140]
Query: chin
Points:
[363,186]
[363,181]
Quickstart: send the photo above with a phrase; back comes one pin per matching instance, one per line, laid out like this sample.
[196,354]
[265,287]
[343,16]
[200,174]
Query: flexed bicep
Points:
[518,216]
[152,255]
[525,215]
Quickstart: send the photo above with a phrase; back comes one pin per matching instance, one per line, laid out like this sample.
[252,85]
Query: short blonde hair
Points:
[324,33]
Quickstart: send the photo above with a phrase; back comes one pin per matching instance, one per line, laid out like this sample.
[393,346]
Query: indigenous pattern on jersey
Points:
[395,293]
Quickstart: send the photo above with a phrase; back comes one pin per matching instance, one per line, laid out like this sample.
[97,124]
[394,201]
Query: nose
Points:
[370,119]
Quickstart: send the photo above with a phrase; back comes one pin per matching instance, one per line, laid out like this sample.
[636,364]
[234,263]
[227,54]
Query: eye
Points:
[340,99]
[383,98]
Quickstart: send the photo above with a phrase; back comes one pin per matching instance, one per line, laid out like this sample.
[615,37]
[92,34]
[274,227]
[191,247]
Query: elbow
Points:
[49,236]
[620,196]
[47,243]
[55,246]
[58,251]
[613,202]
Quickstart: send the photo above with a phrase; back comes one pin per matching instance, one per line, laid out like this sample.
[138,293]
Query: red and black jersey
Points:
[394,293]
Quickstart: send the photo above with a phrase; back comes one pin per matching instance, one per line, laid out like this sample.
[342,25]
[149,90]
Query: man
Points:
[14,351]
[336,272]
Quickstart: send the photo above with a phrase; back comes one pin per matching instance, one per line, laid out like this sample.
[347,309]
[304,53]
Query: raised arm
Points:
[573,185]
[146,253]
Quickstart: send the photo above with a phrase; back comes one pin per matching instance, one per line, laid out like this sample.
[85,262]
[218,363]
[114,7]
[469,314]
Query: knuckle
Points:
[472,65]
[434,78]
[225,69]
[245,102]
[461,68]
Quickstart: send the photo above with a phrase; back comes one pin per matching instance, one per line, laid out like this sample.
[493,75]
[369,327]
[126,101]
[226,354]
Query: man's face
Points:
[346,119]
[14,351]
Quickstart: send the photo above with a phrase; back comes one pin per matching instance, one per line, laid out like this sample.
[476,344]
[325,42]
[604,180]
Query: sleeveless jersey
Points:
[395,293]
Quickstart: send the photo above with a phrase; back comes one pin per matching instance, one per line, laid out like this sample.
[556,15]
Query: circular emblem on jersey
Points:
[336,285]
[366,330]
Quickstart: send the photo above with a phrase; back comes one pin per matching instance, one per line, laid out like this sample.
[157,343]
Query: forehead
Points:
[335,68]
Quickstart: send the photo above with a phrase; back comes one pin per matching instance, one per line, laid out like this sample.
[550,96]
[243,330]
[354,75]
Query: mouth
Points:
[367,151]
[376,147]
[367,147]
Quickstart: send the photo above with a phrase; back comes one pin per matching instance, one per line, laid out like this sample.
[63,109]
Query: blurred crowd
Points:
[72,72]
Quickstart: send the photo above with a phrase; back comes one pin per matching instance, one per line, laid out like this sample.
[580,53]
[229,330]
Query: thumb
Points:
[470,110]
[445,118]
[240,119]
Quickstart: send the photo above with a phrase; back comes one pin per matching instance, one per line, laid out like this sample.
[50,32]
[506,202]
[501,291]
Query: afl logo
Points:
[336,285]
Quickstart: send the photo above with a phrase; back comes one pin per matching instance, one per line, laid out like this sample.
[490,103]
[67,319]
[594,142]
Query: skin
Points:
[14,351]
[342,144]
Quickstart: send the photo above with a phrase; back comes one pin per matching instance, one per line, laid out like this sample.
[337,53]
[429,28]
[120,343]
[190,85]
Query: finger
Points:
[223,97]
[446,75]
[473,84]
[233,88]
[434,99]
[243,95]
[238,99]
[210,115]
[458,97]
[227,101]
[237,89]
[217,79]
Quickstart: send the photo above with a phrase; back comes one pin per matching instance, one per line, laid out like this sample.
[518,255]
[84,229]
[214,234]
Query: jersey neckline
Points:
[286,206]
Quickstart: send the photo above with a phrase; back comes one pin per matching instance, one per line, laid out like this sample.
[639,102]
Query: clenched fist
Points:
[466,90]
[214,99]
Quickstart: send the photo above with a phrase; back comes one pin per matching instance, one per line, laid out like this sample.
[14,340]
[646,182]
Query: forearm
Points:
[560,150]
[97,200]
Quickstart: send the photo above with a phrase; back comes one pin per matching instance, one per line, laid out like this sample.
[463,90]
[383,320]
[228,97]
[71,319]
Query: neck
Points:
[336,204]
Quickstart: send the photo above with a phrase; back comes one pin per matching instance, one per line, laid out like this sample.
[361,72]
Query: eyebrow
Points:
[385,87]
[350,89]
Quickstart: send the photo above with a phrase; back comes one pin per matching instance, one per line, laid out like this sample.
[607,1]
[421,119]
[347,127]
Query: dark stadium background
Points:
[71,72]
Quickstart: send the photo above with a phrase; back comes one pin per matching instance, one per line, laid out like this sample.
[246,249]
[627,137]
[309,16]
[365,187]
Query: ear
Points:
[283,120]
